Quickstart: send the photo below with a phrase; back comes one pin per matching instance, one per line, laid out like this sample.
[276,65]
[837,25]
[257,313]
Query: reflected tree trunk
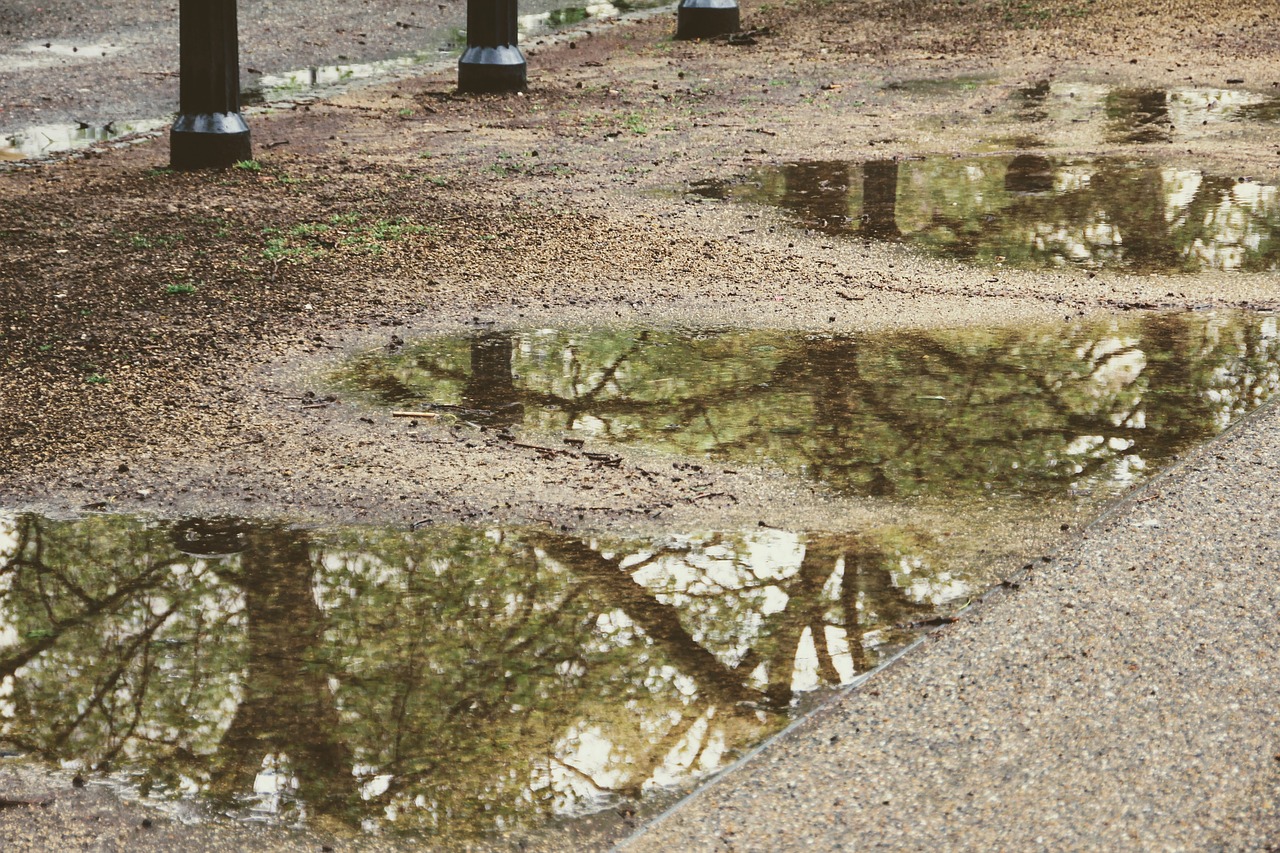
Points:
[490,389]
[288,708]
[1139,115]
[880,200]
[818,193]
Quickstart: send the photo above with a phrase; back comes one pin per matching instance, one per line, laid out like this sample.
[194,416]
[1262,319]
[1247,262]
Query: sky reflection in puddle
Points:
[1032,210]
[453,682]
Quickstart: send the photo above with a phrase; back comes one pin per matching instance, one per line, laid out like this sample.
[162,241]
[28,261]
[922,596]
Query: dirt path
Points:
[158,329]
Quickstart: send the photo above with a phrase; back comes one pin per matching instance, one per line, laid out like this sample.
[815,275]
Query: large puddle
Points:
[479,683]
[1031,210]
[1057,409]
[459,682]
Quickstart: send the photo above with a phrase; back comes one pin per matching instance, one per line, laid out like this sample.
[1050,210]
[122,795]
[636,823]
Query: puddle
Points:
[1032,210]
[42,140]
[469,684]
[1098,114]
[456,683]
[1053,411]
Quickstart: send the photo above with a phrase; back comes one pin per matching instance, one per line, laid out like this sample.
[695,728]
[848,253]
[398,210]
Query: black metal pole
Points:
[699,19]
[209,130]
[492,61]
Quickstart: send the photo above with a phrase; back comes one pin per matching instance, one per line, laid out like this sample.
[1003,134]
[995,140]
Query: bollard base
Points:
[699,19]
[493,69]
[208,141]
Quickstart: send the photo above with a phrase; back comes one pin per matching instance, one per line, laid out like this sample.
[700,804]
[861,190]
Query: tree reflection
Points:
[450,682]
[1040,410]
[1029,210]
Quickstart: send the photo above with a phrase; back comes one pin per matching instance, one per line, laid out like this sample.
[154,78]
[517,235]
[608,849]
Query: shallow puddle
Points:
[458,683]
[45,139]
[1140,116]
[1056,409]
[490,683]
[1032,210]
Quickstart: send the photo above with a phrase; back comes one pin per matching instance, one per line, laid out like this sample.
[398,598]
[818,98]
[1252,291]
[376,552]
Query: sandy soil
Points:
[155,350]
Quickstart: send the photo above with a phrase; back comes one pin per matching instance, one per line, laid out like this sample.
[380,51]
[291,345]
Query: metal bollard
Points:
[492,61]
[696,19]
[209,131]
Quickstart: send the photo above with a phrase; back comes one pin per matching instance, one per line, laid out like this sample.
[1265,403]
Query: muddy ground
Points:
[157,344]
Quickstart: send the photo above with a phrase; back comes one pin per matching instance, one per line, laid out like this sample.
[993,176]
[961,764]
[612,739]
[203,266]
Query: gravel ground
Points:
[154,341]
[1124,696]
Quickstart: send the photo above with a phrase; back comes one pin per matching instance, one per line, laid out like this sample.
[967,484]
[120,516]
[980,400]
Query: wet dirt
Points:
[160,331]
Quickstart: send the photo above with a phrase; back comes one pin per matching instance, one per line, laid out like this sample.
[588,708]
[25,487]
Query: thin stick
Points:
[415,415]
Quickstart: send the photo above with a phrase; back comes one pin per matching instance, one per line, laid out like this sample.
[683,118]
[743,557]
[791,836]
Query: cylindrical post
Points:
[492,61]
[700,19]
[209,130]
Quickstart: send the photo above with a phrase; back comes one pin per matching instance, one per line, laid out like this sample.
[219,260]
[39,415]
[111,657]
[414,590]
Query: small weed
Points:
[157,173]
[404,113]
[96,379]
[248,165]
[179,289]
[634,123]
[344,219]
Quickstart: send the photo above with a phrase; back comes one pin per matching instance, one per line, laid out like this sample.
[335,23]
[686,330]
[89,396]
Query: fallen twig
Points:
[415,415]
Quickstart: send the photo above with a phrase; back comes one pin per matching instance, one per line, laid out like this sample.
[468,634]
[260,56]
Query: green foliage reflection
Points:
[1047,410]
[452,682]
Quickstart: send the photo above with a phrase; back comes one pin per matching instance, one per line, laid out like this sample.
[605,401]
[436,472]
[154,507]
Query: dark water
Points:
[1048,410]
[454,682]
[1032,210]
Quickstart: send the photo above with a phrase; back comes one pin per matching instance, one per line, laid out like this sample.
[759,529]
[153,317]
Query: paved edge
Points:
[1127,693]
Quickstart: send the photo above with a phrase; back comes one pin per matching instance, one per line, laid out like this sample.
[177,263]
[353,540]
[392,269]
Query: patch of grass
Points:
[404,112]
[248,165]
[153,241]
[180,289]
[96,379]
[346,232]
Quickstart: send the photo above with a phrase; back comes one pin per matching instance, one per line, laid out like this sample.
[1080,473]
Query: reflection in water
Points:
[452,682]
[1050,410]
[1139,116]
[1034,211]
[43,140]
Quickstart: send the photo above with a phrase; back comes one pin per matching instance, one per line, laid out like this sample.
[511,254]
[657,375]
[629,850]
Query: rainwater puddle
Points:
[1141,116]
[1031,210]
[1004,412]
[42,140]
[456,683]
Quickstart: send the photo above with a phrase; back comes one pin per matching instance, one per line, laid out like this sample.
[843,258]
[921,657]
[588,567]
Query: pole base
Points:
[493,69]
[700,19]
[208,141]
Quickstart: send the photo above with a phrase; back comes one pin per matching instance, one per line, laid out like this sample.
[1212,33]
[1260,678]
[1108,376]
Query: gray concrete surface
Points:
[1125,696]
